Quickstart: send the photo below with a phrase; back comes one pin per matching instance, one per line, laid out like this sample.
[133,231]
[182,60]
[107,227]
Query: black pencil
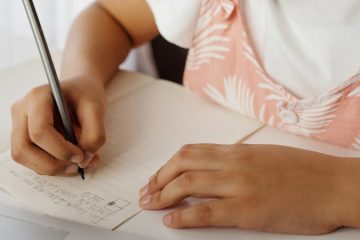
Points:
[51,75]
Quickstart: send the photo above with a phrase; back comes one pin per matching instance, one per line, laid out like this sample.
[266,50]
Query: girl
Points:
[291,64]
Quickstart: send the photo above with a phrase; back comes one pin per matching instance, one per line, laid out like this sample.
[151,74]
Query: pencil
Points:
[51,75]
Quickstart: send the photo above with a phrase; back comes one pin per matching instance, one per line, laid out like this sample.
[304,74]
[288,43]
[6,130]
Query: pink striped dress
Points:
[223,66]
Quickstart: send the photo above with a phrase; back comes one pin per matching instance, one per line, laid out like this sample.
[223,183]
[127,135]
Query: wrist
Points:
[84,71]
[88,78]
[87,86]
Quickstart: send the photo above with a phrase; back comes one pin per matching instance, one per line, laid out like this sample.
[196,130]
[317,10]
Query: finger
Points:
[30,156]
[195,183]
[43,133]
[94,165]
[19,134]
[45,164]
[88,156]
[88,159]
[91,119]
[217,213]
[198,157]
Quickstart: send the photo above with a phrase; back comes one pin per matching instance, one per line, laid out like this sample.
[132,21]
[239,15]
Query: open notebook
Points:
[147,122]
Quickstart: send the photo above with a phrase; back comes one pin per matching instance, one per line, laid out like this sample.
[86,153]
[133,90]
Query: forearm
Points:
[96,45]
[349,195]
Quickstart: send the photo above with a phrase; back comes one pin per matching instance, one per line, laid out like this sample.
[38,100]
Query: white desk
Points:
[15,82]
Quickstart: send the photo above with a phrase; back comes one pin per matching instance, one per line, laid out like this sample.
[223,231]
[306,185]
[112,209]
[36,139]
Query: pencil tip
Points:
[81,173]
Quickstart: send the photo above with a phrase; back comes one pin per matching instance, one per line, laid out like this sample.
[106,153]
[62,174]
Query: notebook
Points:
[147,122]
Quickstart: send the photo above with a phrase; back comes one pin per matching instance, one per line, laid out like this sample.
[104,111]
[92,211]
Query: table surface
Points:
[146,223]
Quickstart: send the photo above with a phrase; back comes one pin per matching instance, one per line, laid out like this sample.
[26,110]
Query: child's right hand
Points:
[35,139]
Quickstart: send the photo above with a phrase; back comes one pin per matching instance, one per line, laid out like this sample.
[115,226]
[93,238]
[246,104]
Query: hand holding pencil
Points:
[43,136]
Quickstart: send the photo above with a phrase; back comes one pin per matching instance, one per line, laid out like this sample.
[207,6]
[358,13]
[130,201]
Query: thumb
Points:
[92,135]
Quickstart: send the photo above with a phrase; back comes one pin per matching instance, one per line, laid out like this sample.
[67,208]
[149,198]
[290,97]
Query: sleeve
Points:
[176,19]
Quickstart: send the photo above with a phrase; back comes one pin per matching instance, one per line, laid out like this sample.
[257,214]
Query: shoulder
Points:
[176,19]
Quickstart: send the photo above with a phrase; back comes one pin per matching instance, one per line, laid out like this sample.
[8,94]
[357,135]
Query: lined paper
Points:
[145,128]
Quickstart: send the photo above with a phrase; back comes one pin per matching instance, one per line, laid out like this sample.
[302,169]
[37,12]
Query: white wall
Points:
[56,17]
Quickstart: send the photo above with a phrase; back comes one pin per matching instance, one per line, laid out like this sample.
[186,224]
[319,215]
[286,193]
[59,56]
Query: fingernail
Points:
[91,164]
[144,190]
[146,199]
[71,169]
[88,156]
[167,220]
[76,159]
[85,163]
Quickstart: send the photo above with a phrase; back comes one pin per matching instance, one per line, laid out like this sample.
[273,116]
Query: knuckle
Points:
[188,147]
[16,153]
[37,95]
[36,133]
[35,92]
[48,170]
[204,213]
[93,142]
[66,155]
[153,183]
[184,152]
[185,180]
[15,108]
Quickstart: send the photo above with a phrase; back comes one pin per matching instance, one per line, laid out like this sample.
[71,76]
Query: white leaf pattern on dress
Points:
[278,92]
[304,119]
[307,117]
[311,117]
[355,92]
[206,45]
[353,80]
[356,144]
[227,6]
[237,97]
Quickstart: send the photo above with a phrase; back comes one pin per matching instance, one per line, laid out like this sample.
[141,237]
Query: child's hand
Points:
[258,187]
[36,141]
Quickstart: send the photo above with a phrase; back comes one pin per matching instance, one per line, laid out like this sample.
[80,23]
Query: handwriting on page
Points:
[95,207]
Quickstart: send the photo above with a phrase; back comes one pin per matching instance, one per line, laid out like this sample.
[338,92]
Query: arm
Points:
[102,36]
[99,41]
[349,180]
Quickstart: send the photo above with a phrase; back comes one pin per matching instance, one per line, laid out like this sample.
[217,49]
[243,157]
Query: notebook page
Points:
[145,128]
[125,82]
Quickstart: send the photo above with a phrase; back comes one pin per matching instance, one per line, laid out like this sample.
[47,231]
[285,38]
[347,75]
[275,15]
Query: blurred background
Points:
[16,41]
[159,59]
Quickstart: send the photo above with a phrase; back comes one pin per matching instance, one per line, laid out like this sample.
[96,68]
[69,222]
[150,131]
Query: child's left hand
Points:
[259,187]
